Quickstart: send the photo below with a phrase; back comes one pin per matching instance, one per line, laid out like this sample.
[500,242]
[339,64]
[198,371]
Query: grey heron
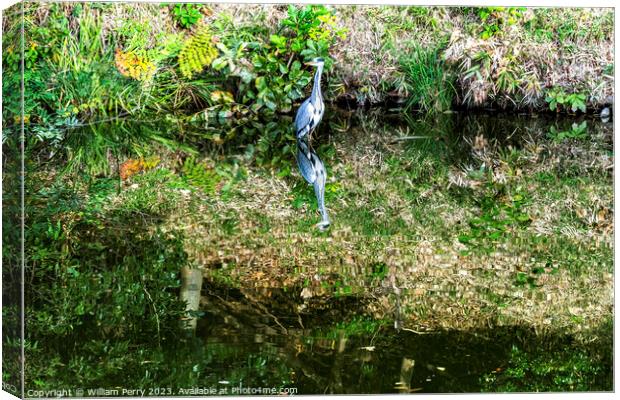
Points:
[311,110]
[310,165]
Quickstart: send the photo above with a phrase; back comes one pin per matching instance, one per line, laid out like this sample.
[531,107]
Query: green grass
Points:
[428,82]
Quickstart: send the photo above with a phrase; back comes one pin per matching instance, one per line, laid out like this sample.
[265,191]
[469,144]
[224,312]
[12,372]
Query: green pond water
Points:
[287,339]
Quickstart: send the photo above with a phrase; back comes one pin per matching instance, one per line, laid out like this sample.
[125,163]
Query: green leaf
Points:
[219,63]
[261,83]
[464,239]
[278,41]
[246,76]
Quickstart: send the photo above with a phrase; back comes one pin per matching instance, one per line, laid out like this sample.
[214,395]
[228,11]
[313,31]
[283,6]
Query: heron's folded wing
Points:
[305,167]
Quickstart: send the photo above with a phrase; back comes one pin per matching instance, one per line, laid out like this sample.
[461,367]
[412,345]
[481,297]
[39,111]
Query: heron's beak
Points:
[312,63]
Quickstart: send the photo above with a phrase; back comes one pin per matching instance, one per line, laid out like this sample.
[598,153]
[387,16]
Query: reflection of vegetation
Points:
[11,264]
[101,279]
[201,175]
[561,370]
[359,354]
[248,235]
[575,132]
[357,326]
[93,147]
[495,222]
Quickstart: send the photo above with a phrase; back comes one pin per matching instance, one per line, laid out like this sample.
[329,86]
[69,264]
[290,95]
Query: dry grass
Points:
[378,36]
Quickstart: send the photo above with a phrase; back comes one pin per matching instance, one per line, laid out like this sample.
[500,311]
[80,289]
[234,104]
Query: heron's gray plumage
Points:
[310,165]
[305,163]
[313,171]
[311,110]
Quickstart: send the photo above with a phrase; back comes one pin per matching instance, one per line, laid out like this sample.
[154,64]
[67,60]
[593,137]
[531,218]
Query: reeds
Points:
[428,82]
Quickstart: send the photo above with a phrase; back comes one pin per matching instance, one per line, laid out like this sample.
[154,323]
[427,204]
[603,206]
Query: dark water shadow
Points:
[332,346]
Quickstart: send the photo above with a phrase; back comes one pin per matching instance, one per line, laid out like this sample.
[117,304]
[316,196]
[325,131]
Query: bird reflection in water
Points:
[310,165]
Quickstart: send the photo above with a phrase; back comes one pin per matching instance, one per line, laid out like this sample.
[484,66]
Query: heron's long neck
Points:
[316,89]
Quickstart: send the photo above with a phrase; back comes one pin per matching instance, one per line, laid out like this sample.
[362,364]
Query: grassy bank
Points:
[206,63]
[86,61]
[502,57]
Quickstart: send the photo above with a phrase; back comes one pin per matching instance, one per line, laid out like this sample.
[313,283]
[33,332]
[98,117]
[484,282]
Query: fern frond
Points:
[197,53]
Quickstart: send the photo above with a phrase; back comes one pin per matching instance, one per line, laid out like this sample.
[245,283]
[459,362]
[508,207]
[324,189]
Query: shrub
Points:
[186,15]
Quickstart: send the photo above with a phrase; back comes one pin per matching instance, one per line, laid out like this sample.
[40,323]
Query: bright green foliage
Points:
[197,53]
[577,131]
[558,99]
[278,92]
[199,174]
[186,15]
[429,84]
[314,30]
[71,79]
[496,19]
[565,25]
[269,68]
